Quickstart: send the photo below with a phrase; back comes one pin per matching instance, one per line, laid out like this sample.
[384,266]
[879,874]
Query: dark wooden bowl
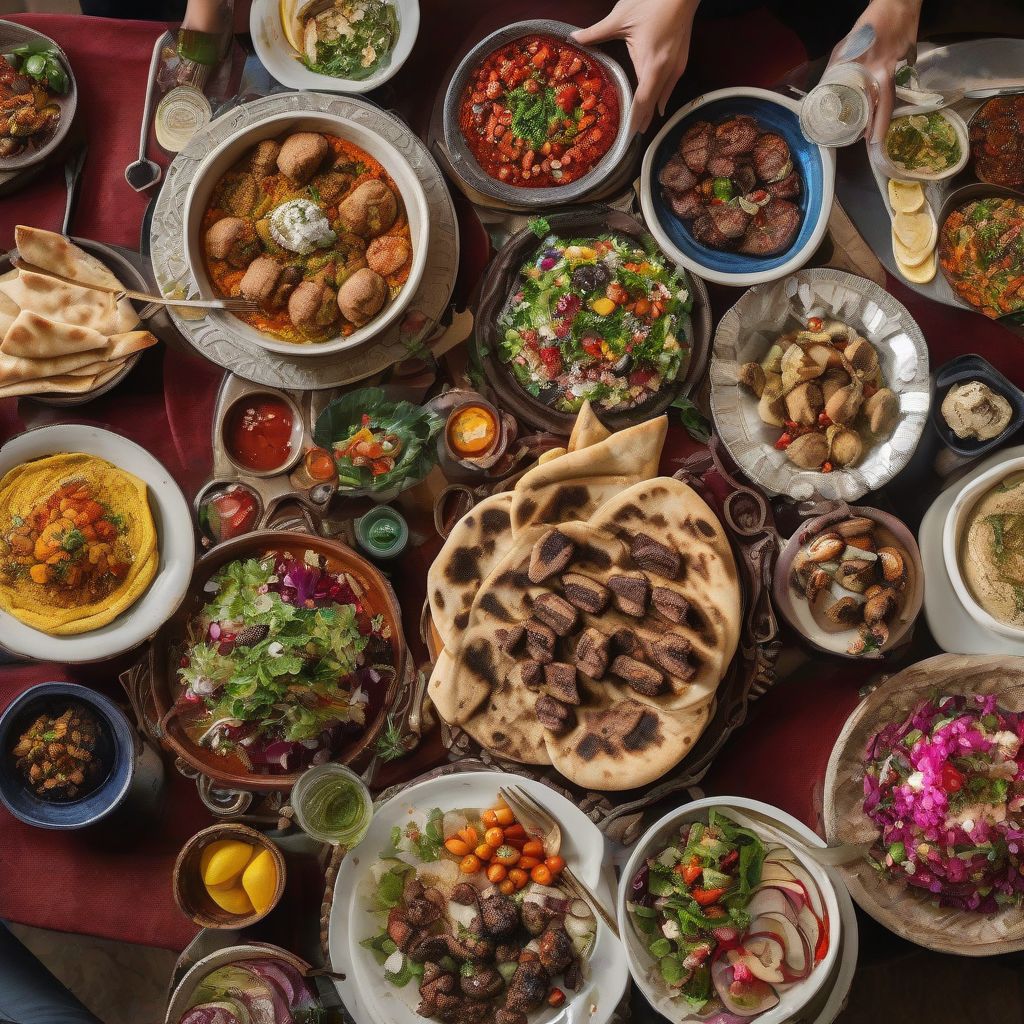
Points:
[189,892]
[229,770]
[502,279]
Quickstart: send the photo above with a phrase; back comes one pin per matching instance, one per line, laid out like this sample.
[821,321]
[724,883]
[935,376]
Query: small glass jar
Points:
[332,805]
[382,533]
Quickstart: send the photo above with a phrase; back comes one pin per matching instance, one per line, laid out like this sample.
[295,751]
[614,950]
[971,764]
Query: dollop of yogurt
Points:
[301,226]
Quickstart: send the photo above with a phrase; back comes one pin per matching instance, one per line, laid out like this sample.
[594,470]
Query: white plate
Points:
[174,535]
[278,56]
[658,836]
[372,1000]
[953,628]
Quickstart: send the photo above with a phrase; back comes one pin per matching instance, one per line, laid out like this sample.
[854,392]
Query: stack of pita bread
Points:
[629,713]
[63,329]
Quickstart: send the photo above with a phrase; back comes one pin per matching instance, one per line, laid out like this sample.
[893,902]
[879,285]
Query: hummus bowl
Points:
[977,585]
[225,156]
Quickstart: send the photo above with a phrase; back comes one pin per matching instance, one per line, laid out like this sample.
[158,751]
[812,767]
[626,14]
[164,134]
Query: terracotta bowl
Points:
[189,892]
[502,279]
[229,771]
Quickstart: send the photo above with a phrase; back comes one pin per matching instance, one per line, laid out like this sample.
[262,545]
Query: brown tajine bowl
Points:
[502,279]
[189,892]
[228,770]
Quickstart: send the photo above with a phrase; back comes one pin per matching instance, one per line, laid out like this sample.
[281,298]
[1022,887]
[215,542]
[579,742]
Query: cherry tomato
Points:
[556,997]
[952,779]
[470,864]
[515,831]
[518,877]
[705,897]
[504,816]
[556,865]
[489,818]
[469,836]
[541,874]
[506,888]
[533,848]
[456,847]
[496,873]
[494,837]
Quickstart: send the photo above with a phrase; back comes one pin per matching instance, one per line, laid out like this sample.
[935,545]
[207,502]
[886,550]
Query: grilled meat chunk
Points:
[555,950]
[500,916]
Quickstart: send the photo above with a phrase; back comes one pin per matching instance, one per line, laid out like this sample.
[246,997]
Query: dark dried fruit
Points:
[551,554]
[643,678]
[560,682]
[592,653]
[625,641]
[540,641]
[556,612]
[511,639]
[252,635]
[584,593]
[671,604]
[630,594]
[532,674]
[554,715]
[674,654]
[653,556]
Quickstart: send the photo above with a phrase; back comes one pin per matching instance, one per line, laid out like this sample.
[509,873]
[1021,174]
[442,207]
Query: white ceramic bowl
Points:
[361,985]
[278,56]
[952,532]
[175,537]
[963,137]
[228,152]
[665,832]
[816,164]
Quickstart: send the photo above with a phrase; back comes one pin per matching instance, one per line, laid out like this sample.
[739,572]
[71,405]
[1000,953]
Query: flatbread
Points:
[67,385]
[59,255]
[573,486]
[676,515]
[34,336]
[474,547]
[588,430]
[70,303]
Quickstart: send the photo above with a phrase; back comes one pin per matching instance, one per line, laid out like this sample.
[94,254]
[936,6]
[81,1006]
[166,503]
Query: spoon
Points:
[145,173]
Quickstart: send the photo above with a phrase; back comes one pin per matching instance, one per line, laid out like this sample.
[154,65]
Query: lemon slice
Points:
[917,231]
[291,25]
[904,196]
[921,273]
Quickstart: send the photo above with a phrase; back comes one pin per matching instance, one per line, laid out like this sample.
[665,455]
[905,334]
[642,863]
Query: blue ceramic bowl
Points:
[117,750]
[815,164]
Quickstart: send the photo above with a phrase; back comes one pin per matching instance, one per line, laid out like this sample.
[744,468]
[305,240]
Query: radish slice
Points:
[797,951]
[745,999]
[771,900]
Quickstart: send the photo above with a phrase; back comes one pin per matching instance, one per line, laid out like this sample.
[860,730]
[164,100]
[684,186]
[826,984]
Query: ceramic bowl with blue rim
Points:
[116,753]
[815,164]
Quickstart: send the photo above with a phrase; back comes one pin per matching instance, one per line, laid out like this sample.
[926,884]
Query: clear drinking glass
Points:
[332,804]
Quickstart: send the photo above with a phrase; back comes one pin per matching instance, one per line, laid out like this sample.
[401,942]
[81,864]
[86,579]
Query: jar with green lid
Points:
[382,533]
[332,805]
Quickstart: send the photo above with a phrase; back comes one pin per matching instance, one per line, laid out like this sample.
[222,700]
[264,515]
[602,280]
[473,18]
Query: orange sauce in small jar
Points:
[472,431]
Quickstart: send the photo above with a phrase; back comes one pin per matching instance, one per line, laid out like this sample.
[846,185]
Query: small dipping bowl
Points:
[952,535]
[261,433]
[964,368]
[473,431]
[118,750]
[189,891]
[959,127]
[212,510]
[329,789]
[382,533]
[796,610]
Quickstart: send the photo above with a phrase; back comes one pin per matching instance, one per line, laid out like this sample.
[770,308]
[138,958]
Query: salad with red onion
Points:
[945,787]
[279,665]
[730,920]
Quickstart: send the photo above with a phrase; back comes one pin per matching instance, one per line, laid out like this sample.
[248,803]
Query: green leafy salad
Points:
[275,667]
[600,318]
[349,39]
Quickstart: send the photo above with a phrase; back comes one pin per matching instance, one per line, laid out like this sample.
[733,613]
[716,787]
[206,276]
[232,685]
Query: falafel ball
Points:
[232,239]
[388,254]
[370,209]
[301,156]
[260,280]
[264,158]
[312,307]
[362,296]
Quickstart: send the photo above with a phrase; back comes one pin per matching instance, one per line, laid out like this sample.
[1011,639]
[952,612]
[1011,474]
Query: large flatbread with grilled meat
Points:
[572,486]
[478,541]
[677,516]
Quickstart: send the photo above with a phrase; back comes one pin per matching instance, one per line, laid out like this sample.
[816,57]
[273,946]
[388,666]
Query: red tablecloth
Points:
[69,882]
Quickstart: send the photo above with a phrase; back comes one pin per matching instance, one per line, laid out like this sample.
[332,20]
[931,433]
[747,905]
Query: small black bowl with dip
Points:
[962,370]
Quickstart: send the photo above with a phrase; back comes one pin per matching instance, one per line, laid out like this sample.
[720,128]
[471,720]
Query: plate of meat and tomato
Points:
[732,189]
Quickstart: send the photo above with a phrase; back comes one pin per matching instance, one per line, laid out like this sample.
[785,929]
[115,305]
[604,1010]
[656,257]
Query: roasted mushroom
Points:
[804,404]
[861,355]
[752,376]
[881,410]
[808,451]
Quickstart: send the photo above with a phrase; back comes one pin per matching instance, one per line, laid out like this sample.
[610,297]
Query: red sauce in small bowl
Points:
[258,433]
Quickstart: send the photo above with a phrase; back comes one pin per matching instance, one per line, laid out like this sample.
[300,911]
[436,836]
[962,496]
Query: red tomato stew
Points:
[539,112]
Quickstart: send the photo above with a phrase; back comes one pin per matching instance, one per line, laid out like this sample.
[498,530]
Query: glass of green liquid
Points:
[332,805]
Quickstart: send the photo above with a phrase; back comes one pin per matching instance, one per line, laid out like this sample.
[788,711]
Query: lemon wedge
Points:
[291,25]
[221,862]
[922,273]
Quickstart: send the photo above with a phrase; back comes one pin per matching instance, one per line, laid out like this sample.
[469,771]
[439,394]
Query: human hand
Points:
[894,23]
[657,34]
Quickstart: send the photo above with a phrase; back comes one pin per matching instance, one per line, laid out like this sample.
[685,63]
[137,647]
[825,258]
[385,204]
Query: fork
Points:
[231,305]
[533,815]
